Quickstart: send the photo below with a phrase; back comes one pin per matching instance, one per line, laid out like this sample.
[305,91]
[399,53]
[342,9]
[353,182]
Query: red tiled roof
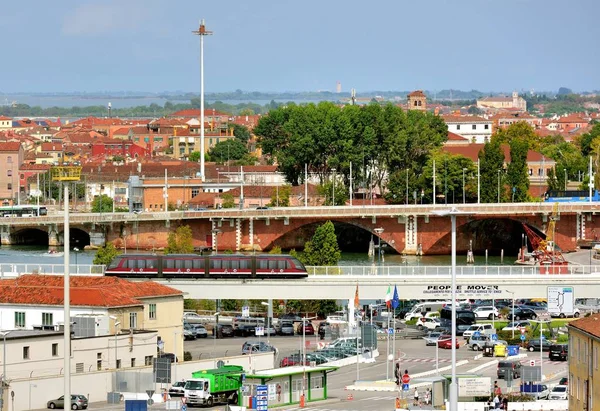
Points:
[195,112]
[417,93]
[472,151]
[85,291]
[5,118]
[40,167]
[10,146]
[464,119]
[51,147]
[590,325]
[455,137]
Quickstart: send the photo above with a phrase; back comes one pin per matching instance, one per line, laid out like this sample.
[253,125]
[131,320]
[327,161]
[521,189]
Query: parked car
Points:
[483,329]
[485,311]
[200,330]
[285,328]
[534,345]
[477,343]
[291,360]
[308,329]
[538,391]
[563,381]
[522,314]
[188,334]
[245,330]
[176,390]
[295,318]
[168,355]
[193,318]
[430,323]
[445,341]
[250,347]
[223,330]
[516,325]
[432,338]
[78,402]
[190,331]
[509,367]
[559,392]
[575,313]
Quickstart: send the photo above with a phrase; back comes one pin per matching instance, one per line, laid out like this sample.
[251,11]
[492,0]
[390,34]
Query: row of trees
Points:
[395,152]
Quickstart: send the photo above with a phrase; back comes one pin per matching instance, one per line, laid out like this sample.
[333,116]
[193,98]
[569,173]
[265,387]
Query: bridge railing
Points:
[440,271]
[14,270]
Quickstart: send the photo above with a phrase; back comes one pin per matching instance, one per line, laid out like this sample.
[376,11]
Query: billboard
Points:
[561,300]
[474,387]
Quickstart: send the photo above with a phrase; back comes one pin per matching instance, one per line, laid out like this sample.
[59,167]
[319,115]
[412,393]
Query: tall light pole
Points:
[407,186]
[565,170]
[304,320]
[117,323]
[378,231]
[464,169]
[333,190]
[498,186]
[67,298]
[202,32]
[4,334]
[453,213]
[269,305]
[512,293]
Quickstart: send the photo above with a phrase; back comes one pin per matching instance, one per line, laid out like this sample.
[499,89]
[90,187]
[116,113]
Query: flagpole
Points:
[356,304]
[387,361]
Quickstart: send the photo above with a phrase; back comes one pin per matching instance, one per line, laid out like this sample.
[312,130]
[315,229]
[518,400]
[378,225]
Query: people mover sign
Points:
[471,289]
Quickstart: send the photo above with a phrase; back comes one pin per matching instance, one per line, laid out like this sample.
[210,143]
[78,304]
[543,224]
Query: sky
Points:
[307,45]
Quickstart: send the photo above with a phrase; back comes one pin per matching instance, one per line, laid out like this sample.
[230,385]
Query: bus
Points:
[570,196]
[464,319]
[23,211]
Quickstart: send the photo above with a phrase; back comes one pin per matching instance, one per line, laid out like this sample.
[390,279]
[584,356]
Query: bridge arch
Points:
[352,235]
[29,236]
[78,238]
[494,235]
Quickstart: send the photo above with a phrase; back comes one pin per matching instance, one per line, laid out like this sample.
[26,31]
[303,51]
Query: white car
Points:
[559,392]
[193,318]
[432,338]
[575,313]
[431,323]
[485,311]
[517,325]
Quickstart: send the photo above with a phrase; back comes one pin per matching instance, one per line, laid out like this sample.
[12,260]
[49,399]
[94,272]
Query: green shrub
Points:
[187,356]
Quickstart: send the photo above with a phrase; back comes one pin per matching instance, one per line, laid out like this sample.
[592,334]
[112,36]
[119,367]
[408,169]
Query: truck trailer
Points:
[220,385]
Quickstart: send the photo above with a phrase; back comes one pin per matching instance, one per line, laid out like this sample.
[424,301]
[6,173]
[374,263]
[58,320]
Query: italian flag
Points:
[388,298]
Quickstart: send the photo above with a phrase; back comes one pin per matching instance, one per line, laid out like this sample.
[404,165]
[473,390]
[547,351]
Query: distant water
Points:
[38,254]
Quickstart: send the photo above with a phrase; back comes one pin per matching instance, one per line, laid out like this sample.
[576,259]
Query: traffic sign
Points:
[476,334]
[523,337]
[494,337]
[262,402]
[532,363]
[245,311]
[259,331]
[183,407]
[390,331]
[405,379]
[405,387]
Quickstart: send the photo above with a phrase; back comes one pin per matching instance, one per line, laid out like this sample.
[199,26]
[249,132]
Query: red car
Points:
[308,329]
[445,341]
[293,359]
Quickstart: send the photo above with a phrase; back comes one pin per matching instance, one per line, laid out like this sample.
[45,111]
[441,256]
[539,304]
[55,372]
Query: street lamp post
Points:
[453,213]
[333,190]
[269,305]
[4,334]
[304,319]
[464,169]
[498,186]
[407,186]
[378,231]
[512,293]
[117,323]
[565,170]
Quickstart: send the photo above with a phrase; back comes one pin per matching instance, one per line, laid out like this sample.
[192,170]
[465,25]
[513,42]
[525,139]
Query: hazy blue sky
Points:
[278,45]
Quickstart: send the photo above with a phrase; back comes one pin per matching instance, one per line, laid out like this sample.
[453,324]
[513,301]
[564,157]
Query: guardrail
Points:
[446,270]
[357,210]
[14,270]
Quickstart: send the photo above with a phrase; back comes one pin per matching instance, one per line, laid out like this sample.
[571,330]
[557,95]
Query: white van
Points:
[421,309]
[484,329]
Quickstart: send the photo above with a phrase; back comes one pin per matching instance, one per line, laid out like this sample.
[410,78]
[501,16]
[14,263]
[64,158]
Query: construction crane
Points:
[544,248]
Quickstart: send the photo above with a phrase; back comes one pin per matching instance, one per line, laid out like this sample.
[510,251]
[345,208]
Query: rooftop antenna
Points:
[202,32]
[109,108]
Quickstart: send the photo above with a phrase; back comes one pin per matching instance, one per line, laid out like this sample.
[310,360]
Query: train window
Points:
[216,263]
[187,264]
[272,264]
[245,264]
[152,263]
[168,263]
[198,263]
[115,263]
[131,263]
[141,264]
[262,264]
[281,264]
[179,264]
[234,264]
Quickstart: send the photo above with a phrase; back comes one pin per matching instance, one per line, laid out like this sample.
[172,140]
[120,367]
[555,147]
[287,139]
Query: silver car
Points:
[78,402]
[432,338]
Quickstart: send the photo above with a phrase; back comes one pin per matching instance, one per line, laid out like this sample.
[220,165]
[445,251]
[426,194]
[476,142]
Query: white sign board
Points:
[259,331]
[561,300]
[272,392]
[474,387]
[245,311]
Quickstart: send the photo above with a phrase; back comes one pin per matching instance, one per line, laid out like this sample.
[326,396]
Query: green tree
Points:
[228,200]
[491,169]
[180,241]
[280,196]
[194,156]
[102,204]
[517,176]
[241,133]
[520,130]
[552,181]
[228,150]
[322,248]
[326,190]
[105,254]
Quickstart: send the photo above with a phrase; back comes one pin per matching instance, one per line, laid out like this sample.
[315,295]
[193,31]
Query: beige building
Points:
[11,158]
[503,103]
[417,100]
[584,352]
[33,302]
[5,123]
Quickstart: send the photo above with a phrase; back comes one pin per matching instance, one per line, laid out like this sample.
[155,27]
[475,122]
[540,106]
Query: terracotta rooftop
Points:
[10,146]
[464,119]
[86,291]
[472,151]
[455,137]
[51,147]
[195,112]
[590,325]
[417,93]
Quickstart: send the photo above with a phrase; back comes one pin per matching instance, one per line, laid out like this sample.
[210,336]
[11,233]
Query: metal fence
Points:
[15,270]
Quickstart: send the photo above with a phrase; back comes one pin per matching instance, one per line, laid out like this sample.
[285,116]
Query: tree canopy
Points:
[105,254]
[322,248]
[180,241]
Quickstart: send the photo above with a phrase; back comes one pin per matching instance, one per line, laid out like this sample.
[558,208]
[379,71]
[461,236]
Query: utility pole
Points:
[202,32]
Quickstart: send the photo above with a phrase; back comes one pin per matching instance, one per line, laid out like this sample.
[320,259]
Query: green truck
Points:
[208,387]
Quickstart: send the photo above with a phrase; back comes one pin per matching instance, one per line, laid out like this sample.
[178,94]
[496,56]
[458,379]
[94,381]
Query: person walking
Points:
[416,403]
[427,397]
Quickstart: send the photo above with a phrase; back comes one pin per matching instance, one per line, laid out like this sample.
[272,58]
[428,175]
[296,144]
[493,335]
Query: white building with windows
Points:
[477,130]
[100,306]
